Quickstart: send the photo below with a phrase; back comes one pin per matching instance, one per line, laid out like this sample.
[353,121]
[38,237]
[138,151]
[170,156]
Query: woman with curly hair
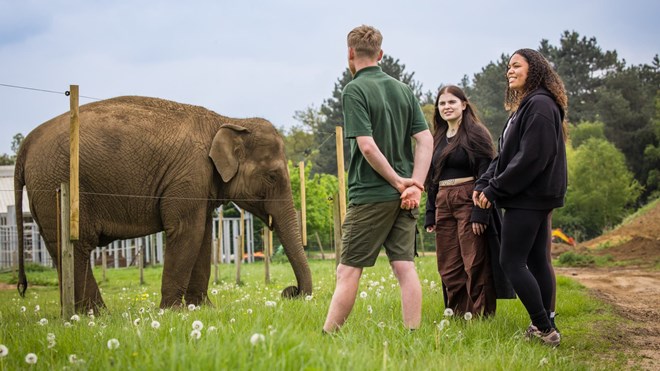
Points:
[463,149]
[528,180]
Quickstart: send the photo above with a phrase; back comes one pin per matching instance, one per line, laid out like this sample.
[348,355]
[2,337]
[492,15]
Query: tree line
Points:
[614,116]
[613,154]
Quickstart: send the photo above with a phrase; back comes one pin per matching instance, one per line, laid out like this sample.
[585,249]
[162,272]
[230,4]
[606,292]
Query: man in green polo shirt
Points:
[381,119]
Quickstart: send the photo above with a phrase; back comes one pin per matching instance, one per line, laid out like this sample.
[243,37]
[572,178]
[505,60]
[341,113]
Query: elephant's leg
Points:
[199,278]
[184,233]
[86,291]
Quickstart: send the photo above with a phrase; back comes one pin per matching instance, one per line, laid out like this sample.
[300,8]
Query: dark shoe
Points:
[550,338]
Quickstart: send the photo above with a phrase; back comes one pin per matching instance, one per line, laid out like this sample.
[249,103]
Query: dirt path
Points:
[635,295]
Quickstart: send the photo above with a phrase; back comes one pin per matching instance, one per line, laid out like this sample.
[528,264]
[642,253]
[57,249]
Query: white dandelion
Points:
[543,362]
[155,325]
[369,309]
[212,329]
[113,344]
[136,321]
[75,318]
[363,294]
[31,358]
[23,309]
[51,344]
[37,308]
[91,324]
[381,325]
[50,336]
[308,297]
[214,292]
[125,315]
[141,310]
[161,312]
[191,307]
[467,316]
[73,359]
[3,351]
[249,311]
[43,322]
[90,312]
[197,325]
[257,338]
[67,324]
[449,312]
[232,320]
[444,323]
[195,334]
[271,303]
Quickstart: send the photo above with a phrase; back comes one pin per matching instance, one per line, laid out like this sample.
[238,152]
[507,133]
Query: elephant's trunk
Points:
[285,223]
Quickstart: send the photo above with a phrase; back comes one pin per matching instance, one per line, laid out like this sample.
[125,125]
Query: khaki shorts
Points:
[368,227]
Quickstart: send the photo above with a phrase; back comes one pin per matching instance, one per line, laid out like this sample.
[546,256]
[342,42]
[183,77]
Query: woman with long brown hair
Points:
[528,180]
[463,149]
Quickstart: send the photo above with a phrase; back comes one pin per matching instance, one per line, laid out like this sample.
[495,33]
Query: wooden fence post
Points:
[339,138]
[337,219]
[74,145]
[303,205]
[67,282]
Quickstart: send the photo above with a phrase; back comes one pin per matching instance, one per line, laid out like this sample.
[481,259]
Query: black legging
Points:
[523,258]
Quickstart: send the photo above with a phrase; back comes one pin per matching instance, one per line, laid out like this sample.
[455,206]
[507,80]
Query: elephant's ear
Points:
[226,150]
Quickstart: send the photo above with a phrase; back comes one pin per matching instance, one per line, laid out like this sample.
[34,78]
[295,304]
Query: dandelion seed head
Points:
[3,350]
[369,309]
[195,334]
[75,318]
[50,336]
[191,307]
[467,316]
[232,320]
[363,294]
[36,309]
[249,311]
[141,310]
[91,324]
[67,324]
[31,358]
[51,344]
[257,338]
[543,362]
[308,297]
[214,292]
[449,312]
[136,322]
[23,309]
[43,322]
[381,325]
[73,358]
[271,304]
[155,325]
[444,323]
[197,325]
[161,312]
[212,329]
[113,344]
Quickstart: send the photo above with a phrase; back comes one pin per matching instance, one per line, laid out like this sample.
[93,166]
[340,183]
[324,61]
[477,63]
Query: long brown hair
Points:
[472,135]
[540,74]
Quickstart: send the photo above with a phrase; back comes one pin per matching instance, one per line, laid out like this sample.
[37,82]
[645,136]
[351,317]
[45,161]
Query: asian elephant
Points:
[150,165]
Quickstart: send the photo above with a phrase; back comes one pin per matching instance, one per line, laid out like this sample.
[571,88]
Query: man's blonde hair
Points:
[366,41]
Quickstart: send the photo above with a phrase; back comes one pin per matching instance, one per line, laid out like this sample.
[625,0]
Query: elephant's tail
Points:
[19,183]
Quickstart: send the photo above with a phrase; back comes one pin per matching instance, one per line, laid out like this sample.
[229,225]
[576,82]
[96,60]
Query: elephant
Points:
[149,165]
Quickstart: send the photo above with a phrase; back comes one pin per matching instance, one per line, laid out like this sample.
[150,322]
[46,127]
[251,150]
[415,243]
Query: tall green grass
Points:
[372,339]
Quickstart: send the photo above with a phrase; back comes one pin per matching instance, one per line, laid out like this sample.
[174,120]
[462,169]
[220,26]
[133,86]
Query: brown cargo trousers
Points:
[462,256]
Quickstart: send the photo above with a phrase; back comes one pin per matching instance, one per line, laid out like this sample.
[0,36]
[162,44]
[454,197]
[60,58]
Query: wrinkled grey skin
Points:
[178,163]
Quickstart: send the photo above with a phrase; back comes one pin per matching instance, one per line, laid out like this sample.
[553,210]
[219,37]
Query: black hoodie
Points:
[529,171]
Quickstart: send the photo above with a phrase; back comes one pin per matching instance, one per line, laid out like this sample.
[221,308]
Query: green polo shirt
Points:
[379,106]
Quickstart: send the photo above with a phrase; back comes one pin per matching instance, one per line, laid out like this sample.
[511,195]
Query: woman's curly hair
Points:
[540,74]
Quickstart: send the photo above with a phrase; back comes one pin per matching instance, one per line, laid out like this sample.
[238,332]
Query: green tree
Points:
[332,111]
[652,155]
[601,190]
[319,190]
[6,159]
[487,94]
[585,130]
[582,66]
[299,140]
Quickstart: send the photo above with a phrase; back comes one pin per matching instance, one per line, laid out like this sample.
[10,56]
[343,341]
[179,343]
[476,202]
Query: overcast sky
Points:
[270,59]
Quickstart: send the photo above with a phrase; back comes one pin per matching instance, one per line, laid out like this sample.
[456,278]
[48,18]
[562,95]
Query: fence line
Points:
[123,253]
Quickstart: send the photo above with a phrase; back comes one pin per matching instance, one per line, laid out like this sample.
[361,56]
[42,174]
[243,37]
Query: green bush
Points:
[572,259]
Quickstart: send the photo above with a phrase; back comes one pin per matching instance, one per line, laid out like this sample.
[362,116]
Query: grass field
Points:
[252,328]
